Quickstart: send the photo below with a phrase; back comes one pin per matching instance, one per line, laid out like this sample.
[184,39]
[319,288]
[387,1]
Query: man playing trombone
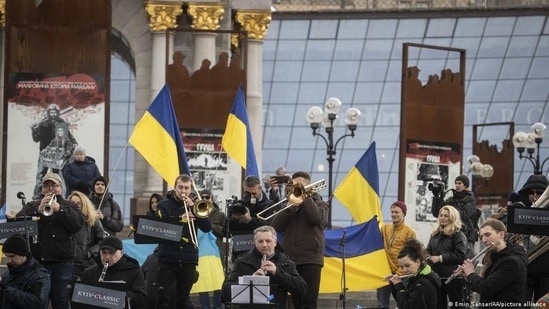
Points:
[178,260]
[303,227]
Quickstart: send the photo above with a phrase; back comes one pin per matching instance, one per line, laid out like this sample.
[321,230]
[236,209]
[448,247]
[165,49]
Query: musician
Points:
[447,248]
[303,227]
[266,260]
[503,276]
[421,289]
[55,245]
[121,267]
[178,261]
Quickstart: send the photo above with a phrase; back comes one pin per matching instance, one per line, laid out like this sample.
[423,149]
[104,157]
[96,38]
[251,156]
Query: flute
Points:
[473,260]
[400,277]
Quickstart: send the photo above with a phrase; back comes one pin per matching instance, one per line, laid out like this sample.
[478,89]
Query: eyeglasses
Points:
[205,197]
[535,192]
[51,185]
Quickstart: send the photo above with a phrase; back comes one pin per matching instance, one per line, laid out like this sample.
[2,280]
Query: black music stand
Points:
[113,295]
[253,292]
[172,225]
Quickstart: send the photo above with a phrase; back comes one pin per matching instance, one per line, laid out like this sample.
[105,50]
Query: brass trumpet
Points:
[48,210]
[298,191]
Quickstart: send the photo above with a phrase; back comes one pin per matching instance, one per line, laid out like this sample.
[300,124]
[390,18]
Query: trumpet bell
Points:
[203,208]
[48,211]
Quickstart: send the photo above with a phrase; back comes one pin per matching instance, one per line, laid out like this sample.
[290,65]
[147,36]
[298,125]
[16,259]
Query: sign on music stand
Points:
[527,220]
[154,230]
[88,295]
[21,225]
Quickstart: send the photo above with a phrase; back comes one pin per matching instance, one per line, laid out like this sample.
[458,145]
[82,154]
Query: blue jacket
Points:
[26,286]
[184,251]
[80,173]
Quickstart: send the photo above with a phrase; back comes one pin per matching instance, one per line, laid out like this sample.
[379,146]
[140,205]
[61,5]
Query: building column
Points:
[205,16]
[162,16]
[255,23]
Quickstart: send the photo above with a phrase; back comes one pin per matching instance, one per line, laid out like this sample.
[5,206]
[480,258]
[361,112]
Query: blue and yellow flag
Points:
[209,267]
[237,139]
[158,139]
[365,260]
[359,191]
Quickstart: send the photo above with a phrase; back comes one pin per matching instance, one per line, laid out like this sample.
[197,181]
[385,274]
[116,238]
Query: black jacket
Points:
[56,241]
[465,203]
[26,286]
[453,250]
[504,280]
[87,246]
[418,292]
[126,269]
[112,216]
[184,251]
[80,174]
[286,280]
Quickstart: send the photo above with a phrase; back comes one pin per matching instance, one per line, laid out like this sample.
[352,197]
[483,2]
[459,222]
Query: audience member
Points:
[26,283]
[106,208]
[153,204]
[303,229]
[80,173]
[265,260]
[394,236]
[59,220]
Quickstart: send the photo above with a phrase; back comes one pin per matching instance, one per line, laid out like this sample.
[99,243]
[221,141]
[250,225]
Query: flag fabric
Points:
[365,260]
[237,139]
[209,266]
[157,138]
[359,190]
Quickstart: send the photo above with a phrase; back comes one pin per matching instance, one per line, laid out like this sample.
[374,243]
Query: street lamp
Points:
[328,118]
[478,169]
[531,142]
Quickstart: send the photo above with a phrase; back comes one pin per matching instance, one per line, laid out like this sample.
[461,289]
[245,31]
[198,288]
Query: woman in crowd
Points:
[89,236]
[153,203]
[420,289]
[80,172]
[447,249]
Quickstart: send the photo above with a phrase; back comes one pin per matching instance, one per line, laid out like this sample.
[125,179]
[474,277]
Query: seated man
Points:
[264,260]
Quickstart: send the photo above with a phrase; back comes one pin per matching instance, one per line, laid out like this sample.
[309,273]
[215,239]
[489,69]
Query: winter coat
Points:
[184,251]
[127,270]
[465,203]
[78,174]
[56,240]
[504,280]
[303,230]
[453,249]
[112,216]
[419,291]
[87,247]
[286,280]
[26,286]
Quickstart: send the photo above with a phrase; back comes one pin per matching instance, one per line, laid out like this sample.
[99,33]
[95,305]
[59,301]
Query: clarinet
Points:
[103,272]
[263,260]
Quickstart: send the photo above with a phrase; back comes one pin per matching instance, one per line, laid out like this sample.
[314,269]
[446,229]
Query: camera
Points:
[436,187]
[238,207]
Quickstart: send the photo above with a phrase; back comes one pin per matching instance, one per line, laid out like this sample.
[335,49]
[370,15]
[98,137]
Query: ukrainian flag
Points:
[359,191]
[366,263]
[157,138]
[210,269]
[237,139]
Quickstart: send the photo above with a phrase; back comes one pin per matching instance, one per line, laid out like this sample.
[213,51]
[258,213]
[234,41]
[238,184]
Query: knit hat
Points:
[534,182]
[401,205]
[100,178]
[111,243]
[513,197]
[79,149]
[206,192]
[464,179]
[16,244]
[52,177]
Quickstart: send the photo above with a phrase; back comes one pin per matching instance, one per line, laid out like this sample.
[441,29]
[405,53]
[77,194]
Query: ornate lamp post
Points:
[328,118]
[478,169]
[531,143]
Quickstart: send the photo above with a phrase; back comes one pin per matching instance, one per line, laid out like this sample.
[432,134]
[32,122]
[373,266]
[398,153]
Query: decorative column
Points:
[162,16]
[205,16]
[256,24]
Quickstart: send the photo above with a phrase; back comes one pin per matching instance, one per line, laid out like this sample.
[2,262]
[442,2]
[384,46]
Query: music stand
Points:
[251,294]
[93,294]
[154,230]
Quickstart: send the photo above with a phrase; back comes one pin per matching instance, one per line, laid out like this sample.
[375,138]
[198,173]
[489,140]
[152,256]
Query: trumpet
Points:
[48,210]
[298,191]
[474,260]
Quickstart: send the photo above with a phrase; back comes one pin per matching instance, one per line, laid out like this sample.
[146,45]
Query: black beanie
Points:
[534,182]
[100,178]
[464,179]
[16,244]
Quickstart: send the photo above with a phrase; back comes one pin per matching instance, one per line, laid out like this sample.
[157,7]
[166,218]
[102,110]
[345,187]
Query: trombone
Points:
[201,209]
[298,191]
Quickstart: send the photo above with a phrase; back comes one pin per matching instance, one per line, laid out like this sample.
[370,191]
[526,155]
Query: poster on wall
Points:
[209,164]
[48,115]
[430,167]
